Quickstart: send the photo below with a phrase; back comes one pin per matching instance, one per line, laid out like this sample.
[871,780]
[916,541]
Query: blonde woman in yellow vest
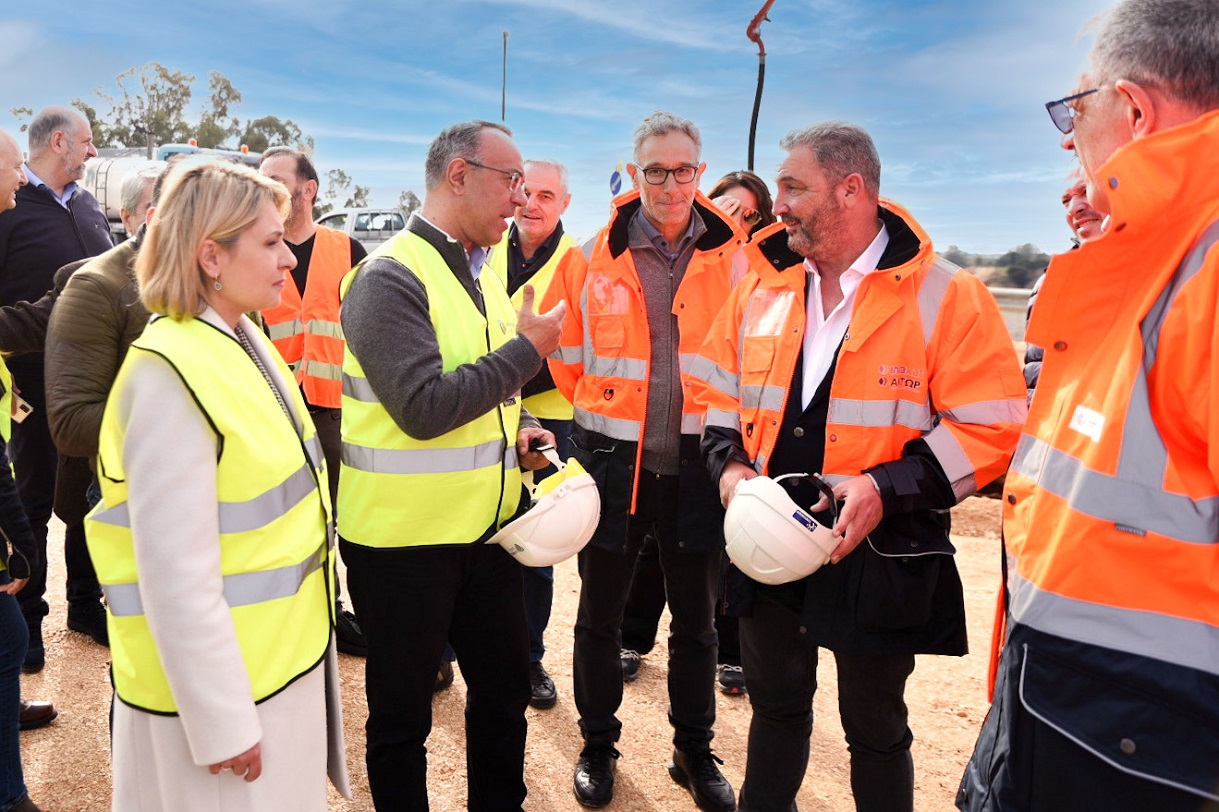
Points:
[211,536]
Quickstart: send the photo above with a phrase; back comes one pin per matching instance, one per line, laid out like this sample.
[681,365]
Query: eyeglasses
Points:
[657,175]
[751,217]
[515,179]
[1062,114]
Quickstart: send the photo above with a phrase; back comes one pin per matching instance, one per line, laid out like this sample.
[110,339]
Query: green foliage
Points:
[409,202]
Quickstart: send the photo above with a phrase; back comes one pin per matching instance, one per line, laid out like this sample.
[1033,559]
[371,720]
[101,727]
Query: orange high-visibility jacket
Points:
[306,330]
[1111,509]
[926,356]
[603,359]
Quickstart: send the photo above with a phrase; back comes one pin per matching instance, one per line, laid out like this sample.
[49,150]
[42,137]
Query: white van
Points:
[369,227]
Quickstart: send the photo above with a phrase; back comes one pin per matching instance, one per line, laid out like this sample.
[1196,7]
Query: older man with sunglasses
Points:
[1107,694]
[640,298]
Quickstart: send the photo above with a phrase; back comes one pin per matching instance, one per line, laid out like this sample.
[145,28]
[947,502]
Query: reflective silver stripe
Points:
[686,361]
[241,517]
[313,447]
[319,369]
[953,459]
[1188,643]
[358,389]
[329,329]
[834,479]
[989,412]
[931,293]
[427,460]
[1134,498]
[880,413]
[241,589]
[569,355]
[1136,505]
[762,397]
[715,376]
[691,424]
[285,329]
[614,427]
[632,369]
[724,419]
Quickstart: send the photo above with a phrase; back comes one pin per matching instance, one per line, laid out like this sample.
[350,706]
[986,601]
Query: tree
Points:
[216,125]
[156,115]
[269,131]
[338,183]
[22,113]
[409,202]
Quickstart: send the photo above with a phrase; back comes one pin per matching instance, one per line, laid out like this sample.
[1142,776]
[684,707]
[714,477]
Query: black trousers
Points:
[690,580]
[35,460]
[782,673]
[410,600]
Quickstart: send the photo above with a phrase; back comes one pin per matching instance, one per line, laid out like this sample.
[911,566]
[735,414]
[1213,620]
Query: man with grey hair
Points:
[1107,688]
[640,298]
[432,432]
[135,196]
[528,255]
[57,222]
[852,351]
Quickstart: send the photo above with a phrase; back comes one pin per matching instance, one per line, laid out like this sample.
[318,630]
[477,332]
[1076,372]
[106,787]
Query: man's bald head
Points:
[12,174]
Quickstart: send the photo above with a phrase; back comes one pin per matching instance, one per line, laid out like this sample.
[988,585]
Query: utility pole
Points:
[503,94]
[754,32]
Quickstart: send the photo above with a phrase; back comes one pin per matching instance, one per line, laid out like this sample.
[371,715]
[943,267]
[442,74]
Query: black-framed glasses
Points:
[515,179]
[657,175]
[1062,114]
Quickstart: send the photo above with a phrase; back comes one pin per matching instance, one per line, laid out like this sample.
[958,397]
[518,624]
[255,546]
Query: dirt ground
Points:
[67,764]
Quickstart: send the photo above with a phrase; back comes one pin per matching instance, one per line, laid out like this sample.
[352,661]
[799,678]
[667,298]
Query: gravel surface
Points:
[67,764]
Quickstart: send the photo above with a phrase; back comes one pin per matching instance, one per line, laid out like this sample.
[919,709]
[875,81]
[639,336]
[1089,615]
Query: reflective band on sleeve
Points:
[614,427]
[329,329]
[692,424]
[953,459]
[987,413]
[724,419]
[631,369]
[241,589]
[880,413]
[240,517]
[318,369]
[931,294]
[686,361]
[1176,640]
[284,329]
[762,397]
[715,376]
[358,389]
[427,460]
[568,355]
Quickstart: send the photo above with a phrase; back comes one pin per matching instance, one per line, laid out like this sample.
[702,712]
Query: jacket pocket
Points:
[900,572]
[1133,723]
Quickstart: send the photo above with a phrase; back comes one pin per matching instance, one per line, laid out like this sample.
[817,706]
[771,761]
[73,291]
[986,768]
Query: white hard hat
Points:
[565,511]
[772,539]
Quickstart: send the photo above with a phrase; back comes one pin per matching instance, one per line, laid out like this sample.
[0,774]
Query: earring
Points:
[217,284]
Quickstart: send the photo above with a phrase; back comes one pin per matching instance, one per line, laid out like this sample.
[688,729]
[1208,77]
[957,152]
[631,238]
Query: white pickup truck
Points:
[369,227]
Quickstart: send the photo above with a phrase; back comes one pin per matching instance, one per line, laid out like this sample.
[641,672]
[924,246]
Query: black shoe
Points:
[731,679]
[594,782]
[35,714]
[630,664]
[348,635]
[444,678]
[89,617]
[696,771]
[542,691]
[35,654]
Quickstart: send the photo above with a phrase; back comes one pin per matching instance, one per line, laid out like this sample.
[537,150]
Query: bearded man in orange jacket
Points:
[852,350]
[1107,694]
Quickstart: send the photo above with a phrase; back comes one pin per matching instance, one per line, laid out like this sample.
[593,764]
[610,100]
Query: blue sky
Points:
[952,91]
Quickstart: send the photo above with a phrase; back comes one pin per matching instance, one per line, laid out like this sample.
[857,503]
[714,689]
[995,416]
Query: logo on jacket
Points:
[898,376]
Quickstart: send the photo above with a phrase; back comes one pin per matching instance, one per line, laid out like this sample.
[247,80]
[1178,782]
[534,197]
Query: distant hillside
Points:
[1018,268]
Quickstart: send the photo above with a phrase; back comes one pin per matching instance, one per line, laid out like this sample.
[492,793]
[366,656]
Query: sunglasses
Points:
[751,217]
[1062,114]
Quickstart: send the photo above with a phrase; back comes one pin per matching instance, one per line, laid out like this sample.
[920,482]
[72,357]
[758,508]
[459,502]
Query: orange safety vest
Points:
[1111,508]
[306,331]
[603,361]
[926,356]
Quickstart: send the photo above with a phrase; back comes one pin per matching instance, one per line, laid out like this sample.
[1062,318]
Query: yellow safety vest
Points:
[399,491]
[6,416]
[274,552]
[548,405]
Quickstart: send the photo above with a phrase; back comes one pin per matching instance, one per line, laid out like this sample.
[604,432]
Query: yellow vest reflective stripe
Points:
[548,405]
[274,554]
[398,491]
[6,414]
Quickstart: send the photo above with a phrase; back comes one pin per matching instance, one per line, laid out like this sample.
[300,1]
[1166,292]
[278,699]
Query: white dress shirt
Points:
[823,334]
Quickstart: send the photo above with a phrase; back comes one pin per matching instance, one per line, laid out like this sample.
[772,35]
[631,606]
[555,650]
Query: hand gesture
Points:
[861,512]
[735,472]
[542,329]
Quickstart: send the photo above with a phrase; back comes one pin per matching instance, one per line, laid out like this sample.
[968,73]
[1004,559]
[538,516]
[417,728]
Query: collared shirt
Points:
[521,270]
[823,334]
[476,256]
[68,190]
[670,253]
